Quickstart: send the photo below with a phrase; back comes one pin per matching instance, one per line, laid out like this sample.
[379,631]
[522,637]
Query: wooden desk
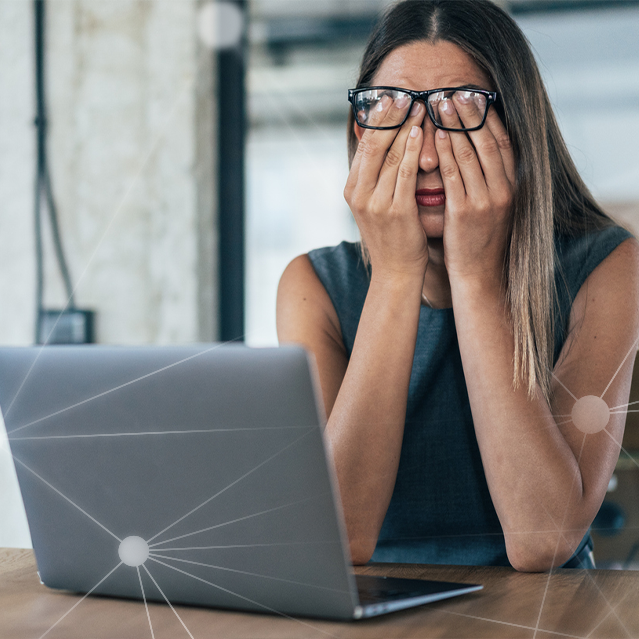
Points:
[573,603]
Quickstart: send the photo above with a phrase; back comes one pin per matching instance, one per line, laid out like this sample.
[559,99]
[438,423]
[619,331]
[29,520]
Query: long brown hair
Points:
[550,197]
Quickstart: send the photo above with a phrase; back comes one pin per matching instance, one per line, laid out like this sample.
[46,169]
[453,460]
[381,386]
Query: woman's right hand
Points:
[380,192]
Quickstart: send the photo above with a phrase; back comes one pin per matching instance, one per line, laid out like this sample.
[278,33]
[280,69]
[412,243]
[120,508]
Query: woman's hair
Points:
[549,194]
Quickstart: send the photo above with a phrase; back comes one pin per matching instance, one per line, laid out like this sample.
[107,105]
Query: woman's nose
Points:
[428,158]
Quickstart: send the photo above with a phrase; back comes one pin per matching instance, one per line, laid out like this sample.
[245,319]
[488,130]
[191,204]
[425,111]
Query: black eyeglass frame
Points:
[491,98]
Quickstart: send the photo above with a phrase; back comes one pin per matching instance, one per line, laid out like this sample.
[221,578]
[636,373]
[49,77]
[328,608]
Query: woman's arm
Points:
[547,478]
[365,396]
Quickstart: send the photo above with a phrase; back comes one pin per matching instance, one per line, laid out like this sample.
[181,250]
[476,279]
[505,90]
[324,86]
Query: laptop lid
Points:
[210,456]
[190,475]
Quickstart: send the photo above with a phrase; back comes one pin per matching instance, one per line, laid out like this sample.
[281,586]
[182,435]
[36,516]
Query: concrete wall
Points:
[17,266]
[132,148]
[131,152]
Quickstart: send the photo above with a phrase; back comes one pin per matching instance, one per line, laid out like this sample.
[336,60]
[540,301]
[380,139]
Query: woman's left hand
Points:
[479,180]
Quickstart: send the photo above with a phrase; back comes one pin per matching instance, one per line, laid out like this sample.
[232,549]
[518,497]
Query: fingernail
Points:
[442,134]
[380,106]
[446,106]
[481,100]
[417,107]
[414,132]
[402,102]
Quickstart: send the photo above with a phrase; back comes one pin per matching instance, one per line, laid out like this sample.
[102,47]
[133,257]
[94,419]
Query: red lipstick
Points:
[430,197]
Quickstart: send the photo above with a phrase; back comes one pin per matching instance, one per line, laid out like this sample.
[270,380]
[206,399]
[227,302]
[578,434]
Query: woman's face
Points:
[421,66]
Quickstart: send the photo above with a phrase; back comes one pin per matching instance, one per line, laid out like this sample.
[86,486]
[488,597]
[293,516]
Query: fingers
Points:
[372,148]
[406,181]
[498,130]
[396,155]
[464,155]
[469,107]
[449,170]
[377,117]
[491,142]
[488,148]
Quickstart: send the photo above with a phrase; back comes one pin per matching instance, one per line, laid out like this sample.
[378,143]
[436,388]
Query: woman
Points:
[490,294]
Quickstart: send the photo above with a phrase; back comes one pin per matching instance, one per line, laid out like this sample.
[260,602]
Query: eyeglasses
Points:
[384,108]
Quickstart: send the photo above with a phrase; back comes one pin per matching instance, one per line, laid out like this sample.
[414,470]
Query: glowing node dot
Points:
[133,551]
[220,25]
[590,414]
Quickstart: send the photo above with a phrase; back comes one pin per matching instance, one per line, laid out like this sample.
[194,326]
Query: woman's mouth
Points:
[430,197]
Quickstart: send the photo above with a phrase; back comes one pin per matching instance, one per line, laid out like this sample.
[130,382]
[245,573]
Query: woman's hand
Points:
[478,171]
[380,192]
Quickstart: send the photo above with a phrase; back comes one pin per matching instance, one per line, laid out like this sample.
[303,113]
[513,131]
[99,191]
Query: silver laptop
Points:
[193,475]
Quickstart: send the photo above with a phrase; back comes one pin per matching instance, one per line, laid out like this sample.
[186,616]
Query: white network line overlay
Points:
[590,420]
[138,555]
[155,553]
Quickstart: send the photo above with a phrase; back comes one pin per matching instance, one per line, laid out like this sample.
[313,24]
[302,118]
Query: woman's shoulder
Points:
[345,256]
[579,254]
[340,268]
[597,240]
[615,251]
[329,282]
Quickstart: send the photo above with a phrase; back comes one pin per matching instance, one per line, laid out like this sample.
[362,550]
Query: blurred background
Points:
[194,148]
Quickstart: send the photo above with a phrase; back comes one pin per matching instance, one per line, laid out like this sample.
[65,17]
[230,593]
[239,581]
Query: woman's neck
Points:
[436,288]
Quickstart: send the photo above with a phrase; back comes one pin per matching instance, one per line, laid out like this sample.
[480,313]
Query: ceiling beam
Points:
[519,7]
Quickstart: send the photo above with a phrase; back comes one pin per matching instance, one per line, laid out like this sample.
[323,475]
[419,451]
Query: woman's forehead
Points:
[423,65]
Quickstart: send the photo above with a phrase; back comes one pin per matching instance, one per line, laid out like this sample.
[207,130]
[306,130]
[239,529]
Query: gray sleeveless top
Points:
[441,510]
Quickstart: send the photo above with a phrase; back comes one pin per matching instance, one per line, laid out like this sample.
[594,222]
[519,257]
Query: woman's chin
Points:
[432,221]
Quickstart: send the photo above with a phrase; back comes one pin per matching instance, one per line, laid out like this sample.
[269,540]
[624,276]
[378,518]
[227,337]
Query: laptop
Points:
[191,475]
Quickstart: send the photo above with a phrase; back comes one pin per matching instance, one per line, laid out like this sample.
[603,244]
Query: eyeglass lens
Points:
[388,108]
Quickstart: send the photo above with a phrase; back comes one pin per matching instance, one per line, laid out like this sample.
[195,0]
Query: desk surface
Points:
[568,603]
